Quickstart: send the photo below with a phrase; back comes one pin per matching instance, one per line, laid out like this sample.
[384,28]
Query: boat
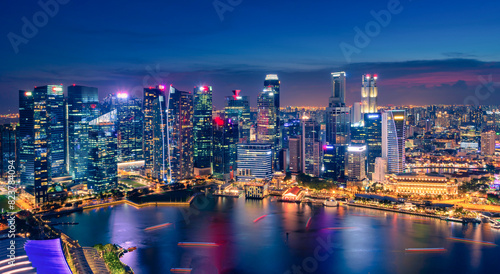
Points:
[331,202]
[130,249]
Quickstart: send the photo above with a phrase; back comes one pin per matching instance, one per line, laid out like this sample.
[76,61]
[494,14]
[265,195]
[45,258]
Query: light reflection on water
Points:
[375,241]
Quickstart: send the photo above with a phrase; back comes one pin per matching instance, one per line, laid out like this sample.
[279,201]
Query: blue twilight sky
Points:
[428,52]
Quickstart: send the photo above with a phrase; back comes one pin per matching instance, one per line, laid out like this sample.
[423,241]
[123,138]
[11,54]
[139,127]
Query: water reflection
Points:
[365,240]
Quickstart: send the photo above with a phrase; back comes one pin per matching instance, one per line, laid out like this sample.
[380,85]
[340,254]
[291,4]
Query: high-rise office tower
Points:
[338,88]
[82,108]
[161,167]
[238,109]
[290,128]
[34,138]
[8,149]
[373,135]
[488,143]
[369,93]
[295,154]
[268,116]
[225,151]
[358,133]
[254,162]
[203,130]
[57,138]
[102,165]
[393,140]
[311,147]
[129,125]
[150,96]
[356,166]
[179,134]
[337,119]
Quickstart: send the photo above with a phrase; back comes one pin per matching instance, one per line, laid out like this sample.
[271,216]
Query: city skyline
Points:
[133,50]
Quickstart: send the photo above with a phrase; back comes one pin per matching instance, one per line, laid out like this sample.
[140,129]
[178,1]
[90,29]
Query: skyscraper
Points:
[369,93]
[356,166]
[225,151]
[268,116]
[34,138]
[56,131]
[203,130]
[312,154]
[393,140]
[150,96]
[338,89]
[373,131]
[179,134]
[295,148]
[238,109]
[82,108]
[161,167]
[129,124]
[337,141]
[102,165]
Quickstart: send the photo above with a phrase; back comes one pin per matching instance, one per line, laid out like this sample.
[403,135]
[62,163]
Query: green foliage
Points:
[110,255]
[313,182]
[474,185]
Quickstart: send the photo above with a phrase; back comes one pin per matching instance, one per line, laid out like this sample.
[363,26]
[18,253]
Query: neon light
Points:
[471,241]
[373,116]
[260,218]
[161,87]
[28,93]
[158,226]
[57,89]
[308,223]
[219,121]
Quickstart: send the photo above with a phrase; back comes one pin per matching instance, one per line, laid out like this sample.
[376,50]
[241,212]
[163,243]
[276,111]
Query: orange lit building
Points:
[411,183]
[293,194]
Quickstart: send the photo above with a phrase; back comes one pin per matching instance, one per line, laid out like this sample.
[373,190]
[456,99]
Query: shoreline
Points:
[395,211]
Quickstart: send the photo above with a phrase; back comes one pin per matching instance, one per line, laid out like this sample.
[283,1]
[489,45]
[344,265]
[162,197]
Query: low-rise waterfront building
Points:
[411,183]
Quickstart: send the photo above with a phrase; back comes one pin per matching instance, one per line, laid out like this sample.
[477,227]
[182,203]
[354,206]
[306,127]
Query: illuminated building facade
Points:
[83,105]
[103,166]
[295,154]
[129,124]
[369,93]
[238,109]
[488,143]
[34,138]
[268,116]
[203,130]
[393,140]
[179,142]
[421,184]
[254,162]
[312,149]
[337,139]
[373,135]
[356,162]
[150,96]
[225,151]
